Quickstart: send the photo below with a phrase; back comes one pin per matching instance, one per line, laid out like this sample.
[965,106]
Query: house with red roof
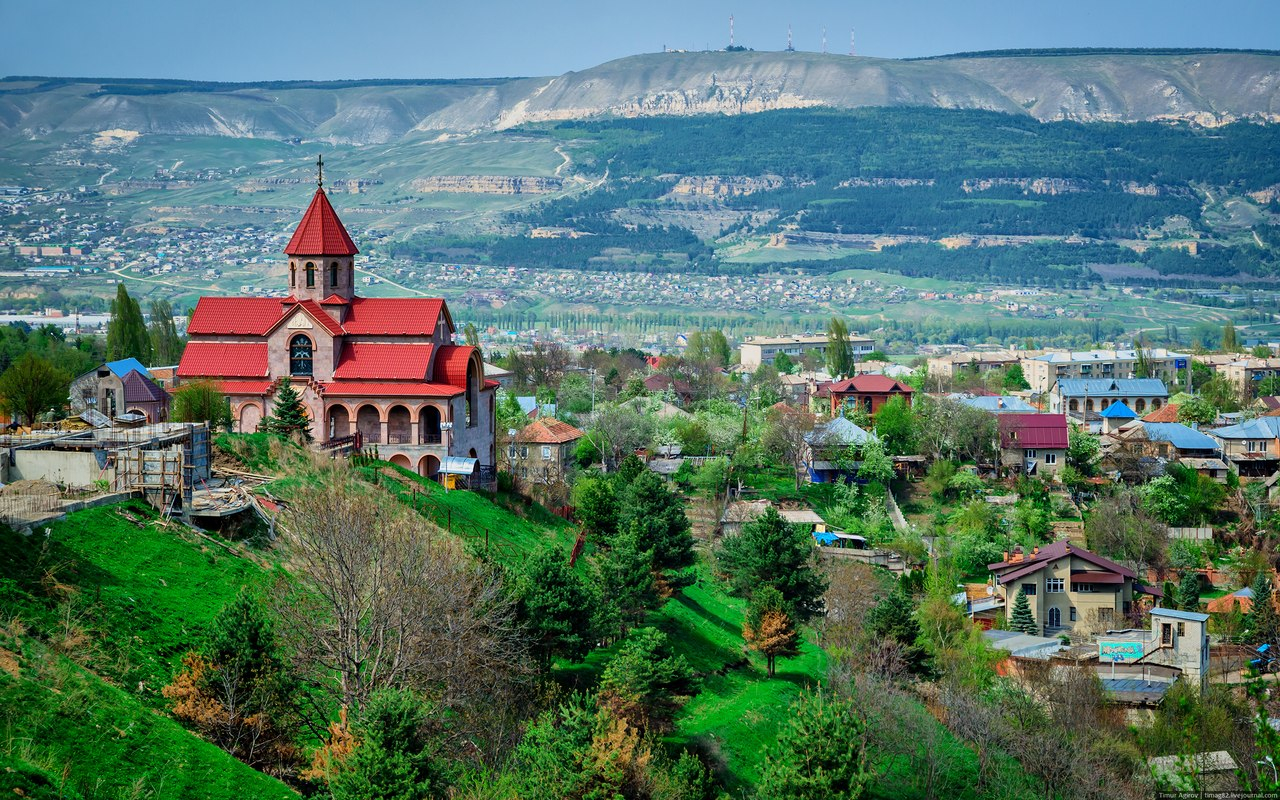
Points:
[1035,444]
[385,370]
[868,392]
[541,456]
[1066,584]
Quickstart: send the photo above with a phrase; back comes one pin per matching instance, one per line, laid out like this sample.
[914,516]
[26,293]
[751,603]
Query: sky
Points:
[248,40]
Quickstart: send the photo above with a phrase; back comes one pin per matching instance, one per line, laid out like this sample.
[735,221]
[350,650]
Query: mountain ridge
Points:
[1205,88]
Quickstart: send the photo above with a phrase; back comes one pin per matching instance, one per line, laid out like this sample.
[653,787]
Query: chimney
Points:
[1035,551]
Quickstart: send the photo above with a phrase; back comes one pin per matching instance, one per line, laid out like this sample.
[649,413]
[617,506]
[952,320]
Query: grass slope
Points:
[125,599]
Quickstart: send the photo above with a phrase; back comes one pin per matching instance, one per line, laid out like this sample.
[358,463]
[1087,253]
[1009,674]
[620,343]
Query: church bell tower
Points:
[321,253]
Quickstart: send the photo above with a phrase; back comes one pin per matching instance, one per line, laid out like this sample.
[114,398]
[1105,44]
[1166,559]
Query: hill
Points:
[1207,87]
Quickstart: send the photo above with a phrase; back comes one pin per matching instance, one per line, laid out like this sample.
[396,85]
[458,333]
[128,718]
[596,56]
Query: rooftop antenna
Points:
[731,30]
[852,50]
[320,171]
[824,40]
[790,47]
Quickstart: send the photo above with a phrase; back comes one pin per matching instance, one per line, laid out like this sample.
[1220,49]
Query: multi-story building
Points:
[757,350]
[1043,371]
[1078,397]
[1252,448]
[1035,444]
[1247,373]
[948,366]
[384,370]
[1066,584]
[866,392]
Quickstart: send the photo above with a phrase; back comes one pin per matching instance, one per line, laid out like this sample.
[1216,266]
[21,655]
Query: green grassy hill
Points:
[95,616]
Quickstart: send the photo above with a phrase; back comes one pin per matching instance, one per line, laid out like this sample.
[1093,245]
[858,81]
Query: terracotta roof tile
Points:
[394,316]
[869,383]
[1166,413]
[388,389]
[321,232]
[548,430]
[397,362]
[252,316]
[255,388]
[224,360]
[451,364]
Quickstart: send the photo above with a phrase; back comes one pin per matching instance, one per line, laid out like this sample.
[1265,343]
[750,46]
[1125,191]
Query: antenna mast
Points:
[790,48]
[852,50]
[824,40]
[731,30]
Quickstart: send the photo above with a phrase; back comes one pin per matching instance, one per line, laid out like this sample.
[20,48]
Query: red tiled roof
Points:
[1012,570]
[1166,413]
[313,310]
[549,430]
[870,384]
[320,233]
[335,300]
[1048,431]
[252,316]
[385,389]
[224,360]
[394,316]
[451,364]
[396,362]
[257,388]
[660,383]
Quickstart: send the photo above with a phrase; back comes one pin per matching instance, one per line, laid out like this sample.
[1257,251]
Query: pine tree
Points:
[821,752]
[288,415]
[1022,620]
[1264,623]
[624,581]
[769,628]
[395,756]
[555,605]
[1189,591]
[771,552]
[657,516]
[127,335]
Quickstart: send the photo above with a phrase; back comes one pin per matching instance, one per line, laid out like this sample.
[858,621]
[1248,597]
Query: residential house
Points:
[542,457]
[757,350]
[659,384]
[1247,373]
[1139,450]
[1033,443]
[117,388]
[533,409]
[994,404]
[1043,371]
[948,367]
[1252,448]
[866,392]
[828,447]
[1066,584]
[1077,397]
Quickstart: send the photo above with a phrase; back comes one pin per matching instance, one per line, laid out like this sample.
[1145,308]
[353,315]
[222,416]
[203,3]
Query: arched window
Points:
[300,356]
[293,275]
[1088,405]
[311,275]
[1055,618]
[1156,403]
[1140,406]
[1075,404]
[473,393]
[333,274]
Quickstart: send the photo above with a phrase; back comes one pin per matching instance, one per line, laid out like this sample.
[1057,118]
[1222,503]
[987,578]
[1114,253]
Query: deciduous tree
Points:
[31,386]
[787,437]
[201,401]
[166,344]
[839,352]
[769,628]
[127,332]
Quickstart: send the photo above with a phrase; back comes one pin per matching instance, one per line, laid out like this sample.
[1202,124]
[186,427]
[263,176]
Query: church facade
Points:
[385,369]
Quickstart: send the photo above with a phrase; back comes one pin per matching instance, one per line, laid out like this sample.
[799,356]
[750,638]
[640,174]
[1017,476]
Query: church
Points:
[383,369]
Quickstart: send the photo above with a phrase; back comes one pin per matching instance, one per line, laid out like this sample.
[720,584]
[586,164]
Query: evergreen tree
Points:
[1189,591]
[1022,620]
[1230,343]
[770,628]
[394,755]
[820,754]
[595,503]
[770,552]
[288,415]
[127,335]
[555,605]
[1264,623]
[839,353]
[624,581]
[640,683]
[1014,379]
[656,515]
[166,345]
[628,470]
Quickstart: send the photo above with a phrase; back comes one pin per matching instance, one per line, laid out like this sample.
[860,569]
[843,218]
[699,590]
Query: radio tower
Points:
[731,30]
[824,40]
[852,51]
[790,48]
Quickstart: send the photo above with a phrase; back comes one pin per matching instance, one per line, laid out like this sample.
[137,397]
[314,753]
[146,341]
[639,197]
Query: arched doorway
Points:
[429,466]
[401,461]
[1055,618]
[399,424]
[429,425]
[339,422]
[473,392]
[369,423]
[250,416]
[472,453]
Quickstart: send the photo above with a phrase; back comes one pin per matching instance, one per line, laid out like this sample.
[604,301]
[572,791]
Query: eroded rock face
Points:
[722,186]
[487,184]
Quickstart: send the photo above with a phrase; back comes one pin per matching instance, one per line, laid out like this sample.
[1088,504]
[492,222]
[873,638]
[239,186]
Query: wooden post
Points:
[449,520]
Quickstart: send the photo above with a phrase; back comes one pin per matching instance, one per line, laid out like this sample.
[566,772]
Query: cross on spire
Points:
[320,171]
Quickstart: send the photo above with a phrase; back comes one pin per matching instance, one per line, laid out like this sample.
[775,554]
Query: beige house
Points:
[757,350]
[541,457]
[1066,584]
[1253,447]
[947,367]
[1043,371]
[1246,373]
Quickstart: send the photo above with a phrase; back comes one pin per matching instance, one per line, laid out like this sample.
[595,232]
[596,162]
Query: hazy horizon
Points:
[239,41]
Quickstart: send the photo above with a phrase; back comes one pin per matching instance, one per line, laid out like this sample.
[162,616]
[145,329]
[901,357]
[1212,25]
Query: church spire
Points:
[321,253]
[320,171]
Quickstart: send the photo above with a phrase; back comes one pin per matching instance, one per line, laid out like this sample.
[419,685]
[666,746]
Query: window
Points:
[293,274]
[311,275]
[1054,585]
[1075,404]
[524,451]
[333,274]
[1254,446]
[1073,613]
[1055,618]
[300,356]
[1031,453]
[1182,629]
[511,451]
[546,454]
[1104,614]
[1051,458]
[1084,588]
[1029,589]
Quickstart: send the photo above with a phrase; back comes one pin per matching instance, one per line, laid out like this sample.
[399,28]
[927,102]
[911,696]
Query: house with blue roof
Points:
[1080,398]
[1251,447]
[118,388]
[827,450]
[994,404]
[1139,451]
